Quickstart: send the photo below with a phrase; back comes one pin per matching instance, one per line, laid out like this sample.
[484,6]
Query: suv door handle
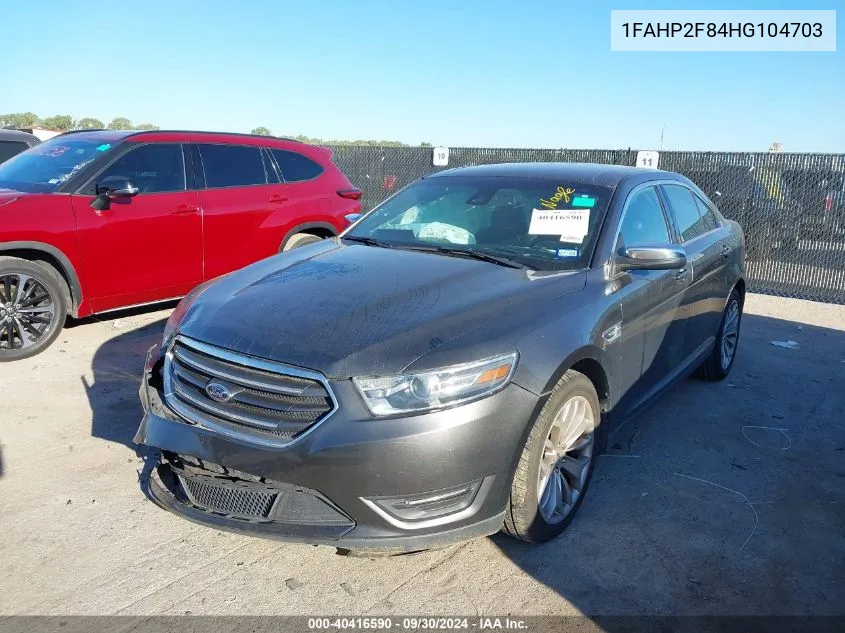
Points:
[278,198]
[185,208]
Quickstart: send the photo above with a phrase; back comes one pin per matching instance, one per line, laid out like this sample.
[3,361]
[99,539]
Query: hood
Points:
[362,310]
[10,195]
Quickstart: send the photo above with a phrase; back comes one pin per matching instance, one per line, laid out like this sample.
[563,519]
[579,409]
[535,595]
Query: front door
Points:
[144,248]
[653,317]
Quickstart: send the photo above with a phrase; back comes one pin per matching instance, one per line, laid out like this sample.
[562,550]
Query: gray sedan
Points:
[448,367]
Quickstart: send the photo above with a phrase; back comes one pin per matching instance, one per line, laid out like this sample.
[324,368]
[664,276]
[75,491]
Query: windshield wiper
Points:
[369,241]
[465,252]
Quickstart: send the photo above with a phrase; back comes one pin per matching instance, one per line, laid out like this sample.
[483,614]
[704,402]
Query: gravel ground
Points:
[723,499]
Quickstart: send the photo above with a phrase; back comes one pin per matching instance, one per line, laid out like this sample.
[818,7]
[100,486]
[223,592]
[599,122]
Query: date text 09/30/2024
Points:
[417,624]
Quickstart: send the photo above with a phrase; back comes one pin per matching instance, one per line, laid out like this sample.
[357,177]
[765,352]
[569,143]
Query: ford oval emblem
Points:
[218,392]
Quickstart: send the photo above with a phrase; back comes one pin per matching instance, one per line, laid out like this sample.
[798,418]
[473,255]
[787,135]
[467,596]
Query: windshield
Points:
[43,168]
[539,223]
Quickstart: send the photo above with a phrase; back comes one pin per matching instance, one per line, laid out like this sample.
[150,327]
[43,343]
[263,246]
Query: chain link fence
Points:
[791,206]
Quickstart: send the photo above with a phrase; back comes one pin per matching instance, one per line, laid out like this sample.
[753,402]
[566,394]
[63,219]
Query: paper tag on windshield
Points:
[571,225]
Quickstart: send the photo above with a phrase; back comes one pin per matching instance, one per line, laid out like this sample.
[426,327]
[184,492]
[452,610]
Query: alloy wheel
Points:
[27,311]
[730,334]
[565,462]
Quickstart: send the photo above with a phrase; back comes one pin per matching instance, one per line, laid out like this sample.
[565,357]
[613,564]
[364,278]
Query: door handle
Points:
[726,250]
[682,274]
[278,198]
[184,208]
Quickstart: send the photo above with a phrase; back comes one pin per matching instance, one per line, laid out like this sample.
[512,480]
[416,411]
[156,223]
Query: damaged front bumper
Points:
[388,485]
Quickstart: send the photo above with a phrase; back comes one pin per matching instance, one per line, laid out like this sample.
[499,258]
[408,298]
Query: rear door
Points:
[652,336]
[147,247]
[240,192]
[703,238]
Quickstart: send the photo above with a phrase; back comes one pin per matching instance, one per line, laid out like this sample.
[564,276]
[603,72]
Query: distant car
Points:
[760,200]
[92,221]
[450,365]
[13,142]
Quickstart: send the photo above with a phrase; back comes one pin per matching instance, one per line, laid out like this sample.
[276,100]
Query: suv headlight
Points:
[413,393]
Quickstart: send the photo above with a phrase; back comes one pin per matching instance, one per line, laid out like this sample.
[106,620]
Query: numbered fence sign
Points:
[441,156]
[648,159]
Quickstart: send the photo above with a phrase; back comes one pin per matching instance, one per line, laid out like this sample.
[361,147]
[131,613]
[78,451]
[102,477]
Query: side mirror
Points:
[110,188]
[651,257]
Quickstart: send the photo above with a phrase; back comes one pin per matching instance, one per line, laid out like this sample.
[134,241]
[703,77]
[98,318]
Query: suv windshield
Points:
[541,224]
[45,167]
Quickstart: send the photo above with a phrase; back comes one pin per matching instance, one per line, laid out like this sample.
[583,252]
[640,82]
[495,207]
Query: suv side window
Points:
[11,148]
[296,167]
[708,216]
[232,165]
[688,220]
[153,168]
[643,221]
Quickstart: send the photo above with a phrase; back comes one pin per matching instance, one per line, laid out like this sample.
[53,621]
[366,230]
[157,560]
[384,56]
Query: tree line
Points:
[263,131]
[65,122]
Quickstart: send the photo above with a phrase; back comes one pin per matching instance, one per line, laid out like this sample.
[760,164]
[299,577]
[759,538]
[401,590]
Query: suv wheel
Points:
[300,239]
[557,462]
[32,308]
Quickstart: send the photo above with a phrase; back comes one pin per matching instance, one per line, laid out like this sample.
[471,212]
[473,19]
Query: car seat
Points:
[508,225]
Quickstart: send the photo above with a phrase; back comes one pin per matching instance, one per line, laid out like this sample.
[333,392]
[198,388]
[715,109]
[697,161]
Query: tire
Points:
[300,239]
[525,518]
[44,301]
[717,367]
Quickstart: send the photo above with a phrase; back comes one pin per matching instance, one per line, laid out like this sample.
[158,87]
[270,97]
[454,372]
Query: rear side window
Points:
[688,220]
[296,167]
[707,215]
[11,148]
[232,165]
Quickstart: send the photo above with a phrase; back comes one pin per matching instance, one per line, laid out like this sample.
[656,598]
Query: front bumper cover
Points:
[388,485]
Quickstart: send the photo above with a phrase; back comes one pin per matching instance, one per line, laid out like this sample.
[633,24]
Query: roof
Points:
[120,134]
[594,173]
[17,135]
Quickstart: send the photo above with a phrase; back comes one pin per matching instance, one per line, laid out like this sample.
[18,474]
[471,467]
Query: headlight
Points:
[412,393]
[181,310]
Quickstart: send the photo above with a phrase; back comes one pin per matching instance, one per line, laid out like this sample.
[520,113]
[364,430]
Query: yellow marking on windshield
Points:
[562,193]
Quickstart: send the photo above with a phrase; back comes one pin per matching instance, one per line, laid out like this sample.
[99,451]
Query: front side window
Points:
[232,165]
[688,220]
[48,165]
[296,167]
[541,224]
[153,168]
[643,221]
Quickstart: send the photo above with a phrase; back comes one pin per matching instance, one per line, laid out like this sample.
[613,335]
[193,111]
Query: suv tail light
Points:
[350,194]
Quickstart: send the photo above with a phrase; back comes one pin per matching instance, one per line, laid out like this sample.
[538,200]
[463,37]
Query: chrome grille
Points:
[241,395]
[228,499]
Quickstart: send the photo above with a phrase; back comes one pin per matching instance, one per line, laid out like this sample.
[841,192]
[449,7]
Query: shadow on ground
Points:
[117,366]
[722,499]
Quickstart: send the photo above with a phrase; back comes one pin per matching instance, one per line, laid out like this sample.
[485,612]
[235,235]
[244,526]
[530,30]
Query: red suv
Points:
[92,221]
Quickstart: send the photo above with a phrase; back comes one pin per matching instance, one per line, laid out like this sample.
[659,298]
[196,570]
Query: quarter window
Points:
[688,220]
[232,165]
[296,167]
[153,168]
[643,222]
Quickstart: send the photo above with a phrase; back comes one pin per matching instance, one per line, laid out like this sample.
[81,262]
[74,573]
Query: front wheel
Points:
[32,308]
[557,462]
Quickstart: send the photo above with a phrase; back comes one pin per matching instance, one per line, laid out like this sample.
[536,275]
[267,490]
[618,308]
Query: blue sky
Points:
[492,73]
